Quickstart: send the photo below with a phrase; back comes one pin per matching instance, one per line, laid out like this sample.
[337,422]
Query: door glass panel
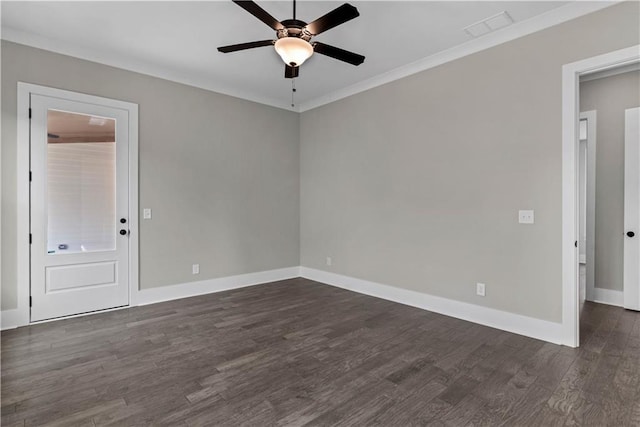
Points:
[81,183]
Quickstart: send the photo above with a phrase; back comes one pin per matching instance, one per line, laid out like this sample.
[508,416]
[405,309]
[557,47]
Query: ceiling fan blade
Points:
[243,46]
[337,16]
[259,13]
[291,72]
[337,53]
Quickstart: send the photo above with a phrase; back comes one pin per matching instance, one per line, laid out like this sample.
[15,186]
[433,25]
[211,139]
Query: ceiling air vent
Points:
[489,24]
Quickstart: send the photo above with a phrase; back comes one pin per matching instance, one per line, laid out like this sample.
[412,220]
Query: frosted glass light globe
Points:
[293,51]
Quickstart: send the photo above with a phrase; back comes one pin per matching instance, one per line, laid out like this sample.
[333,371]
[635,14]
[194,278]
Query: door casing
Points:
[23,189]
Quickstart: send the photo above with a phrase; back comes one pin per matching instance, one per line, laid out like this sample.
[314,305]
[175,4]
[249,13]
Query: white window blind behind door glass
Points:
[81,183]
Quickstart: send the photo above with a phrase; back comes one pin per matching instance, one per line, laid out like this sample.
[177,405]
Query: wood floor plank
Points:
[299,352]
[526,409]
[417,408]
[464,411]
[458,390]
[551,373]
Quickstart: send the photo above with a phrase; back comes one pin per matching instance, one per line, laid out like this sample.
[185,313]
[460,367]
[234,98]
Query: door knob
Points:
[123,220]
[123,232]
[630,233]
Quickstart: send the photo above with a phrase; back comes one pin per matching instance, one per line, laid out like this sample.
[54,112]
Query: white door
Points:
[79,207]
[582,188]
[632,209]
[587,207]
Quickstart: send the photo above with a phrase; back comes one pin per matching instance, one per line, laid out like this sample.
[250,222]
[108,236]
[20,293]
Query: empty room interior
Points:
[288,213]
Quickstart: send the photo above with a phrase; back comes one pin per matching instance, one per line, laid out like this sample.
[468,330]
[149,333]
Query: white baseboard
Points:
[608,296]
[191,289]
[10,319]
[518,324]
[523,325]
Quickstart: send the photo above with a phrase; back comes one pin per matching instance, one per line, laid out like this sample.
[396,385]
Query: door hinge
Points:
[30,301]
[30,176]
[30,238]
[576,244]
[29,112]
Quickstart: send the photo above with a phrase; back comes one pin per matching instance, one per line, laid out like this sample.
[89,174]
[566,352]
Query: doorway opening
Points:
[609,207]
[575,183]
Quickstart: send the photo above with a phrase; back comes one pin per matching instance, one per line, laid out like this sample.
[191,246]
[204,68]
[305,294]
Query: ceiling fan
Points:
[293,42]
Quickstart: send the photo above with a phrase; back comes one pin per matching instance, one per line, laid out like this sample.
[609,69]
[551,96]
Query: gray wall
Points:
[417,184]
[221,174]
[610,96]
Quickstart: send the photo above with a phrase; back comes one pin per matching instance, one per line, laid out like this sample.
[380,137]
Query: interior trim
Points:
[24,91]
[570,122]
[114,60]
[510,322]
[519,29]
[608,296]
[11,319]
[203,287]
[609,73]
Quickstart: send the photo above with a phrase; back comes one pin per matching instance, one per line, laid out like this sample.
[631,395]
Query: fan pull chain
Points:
[293,92]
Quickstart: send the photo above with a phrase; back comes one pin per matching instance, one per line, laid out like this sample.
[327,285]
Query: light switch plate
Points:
[525,217]
[146,213]
[480,289]
[195,269]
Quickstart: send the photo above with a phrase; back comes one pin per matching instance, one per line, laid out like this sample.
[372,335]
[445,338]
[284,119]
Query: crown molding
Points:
[553,17]
[519,29]
[115,60]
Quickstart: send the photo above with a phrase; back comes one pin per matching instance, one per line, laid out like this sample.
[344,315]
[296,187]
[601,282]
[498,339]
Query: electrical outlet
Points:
[146,213]
[480,289]
[329,260]
[525,217]
[195,269]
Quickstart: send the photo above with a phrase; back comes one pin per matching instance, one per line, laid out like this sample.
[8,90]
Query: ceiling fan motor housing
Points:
[294,28]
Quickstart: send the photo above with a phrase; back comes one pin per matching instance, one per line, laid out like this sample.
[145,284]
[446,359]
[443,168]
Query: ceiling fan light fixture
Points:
[293,50]
[293,35]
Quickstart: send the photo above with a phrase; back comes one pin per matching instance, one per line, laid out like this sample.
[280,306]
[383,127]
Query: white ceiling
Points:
[178,40]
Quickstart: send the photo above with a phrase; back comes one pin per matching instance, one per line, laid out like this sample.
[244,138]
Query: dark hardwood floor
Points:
[301,353]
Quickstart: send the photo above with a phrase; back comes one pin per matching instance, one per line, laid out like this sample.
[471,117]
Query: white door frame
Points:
[23,202]
[570,121]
